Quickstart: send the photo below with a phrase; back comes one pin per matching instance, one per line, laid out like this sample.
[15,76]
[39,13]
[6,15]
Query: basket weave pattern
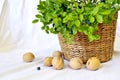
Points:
[102,49]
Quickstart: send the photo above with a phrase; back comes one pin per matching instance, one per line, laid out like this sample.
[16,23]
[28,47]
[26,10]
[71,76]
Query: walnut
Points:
[57,54]
[93,63]
[48,61]
[28,57]
[58,63]
[76,63]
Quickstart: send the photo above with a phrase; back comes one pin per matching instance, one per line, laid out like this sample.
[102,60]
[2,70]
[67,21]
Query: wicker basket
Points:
[103,48]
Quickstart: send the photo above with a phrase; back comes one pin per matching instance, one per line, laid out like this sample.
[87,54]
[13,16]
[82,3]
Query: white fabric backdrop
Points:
[17,30]
[18,35]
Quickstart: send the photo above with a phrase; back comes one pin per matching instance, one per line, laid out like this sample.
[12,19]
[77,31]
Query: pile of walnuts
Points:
[57,62]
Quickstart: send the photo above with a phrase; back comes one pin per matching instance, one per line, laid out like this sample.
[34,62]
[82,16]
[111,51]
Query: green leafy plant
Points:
[71,16]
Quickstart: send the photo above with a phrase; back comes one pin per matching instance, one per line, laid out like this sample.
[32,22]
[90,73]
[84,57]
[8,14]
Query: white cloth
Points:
[12,67]
[18,35]
[17,30]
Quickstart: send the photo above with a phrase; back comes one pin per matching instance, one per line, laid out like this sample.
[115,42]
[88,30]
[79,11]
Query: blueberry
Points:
[89,23]
[102,0]
[38,68]
[58,15]
[113,7]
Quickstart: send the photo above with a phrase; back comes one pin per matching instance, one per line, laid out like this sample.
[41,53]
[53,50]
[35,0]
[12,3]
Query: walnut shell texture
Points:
[76,63]
[93,63]
[28,57]
[48,61]
[58,63]
[57,54]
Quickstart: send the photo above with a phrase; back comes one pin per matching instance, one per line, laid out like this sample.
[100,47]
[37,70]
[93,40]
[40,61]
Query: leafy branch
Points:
[71,16]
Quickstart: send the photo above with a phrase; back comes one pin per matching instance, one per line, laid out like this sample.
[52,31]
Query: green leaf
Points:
[52,30]
[84,29]
[94,1]
[88,1]
[91,29]
[55,20]
[69,6]
[82,9]
[105,12]
[81,17]
[96,37]
[115,1]
[95,10]
[90,37]
[64,14]
[43,27]
[72,0]
[92,19]
[67,18]
[99,18]
[110,1]
[42,19]
[47,27]
[47,31]
[100,5]
[35,21]
[85,32]
[76,4]
[77,23]
[118,1]
[74,30]
[38,16]
[70,24]
[70,17]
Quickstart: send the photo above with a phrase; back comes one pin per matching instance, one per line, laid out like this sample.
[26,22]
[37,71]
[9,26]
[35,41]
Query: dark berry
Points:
[51,19]
[71,31]
[64,7]
[113,7]
[89,23]
[55,29]
[102,0]
[58,15]
[38,68]
[79,7]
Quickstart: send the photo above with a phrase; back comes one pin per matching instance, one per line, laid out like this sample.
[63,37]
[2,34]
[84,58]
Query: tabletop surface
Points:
[18,35]
[12,67]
